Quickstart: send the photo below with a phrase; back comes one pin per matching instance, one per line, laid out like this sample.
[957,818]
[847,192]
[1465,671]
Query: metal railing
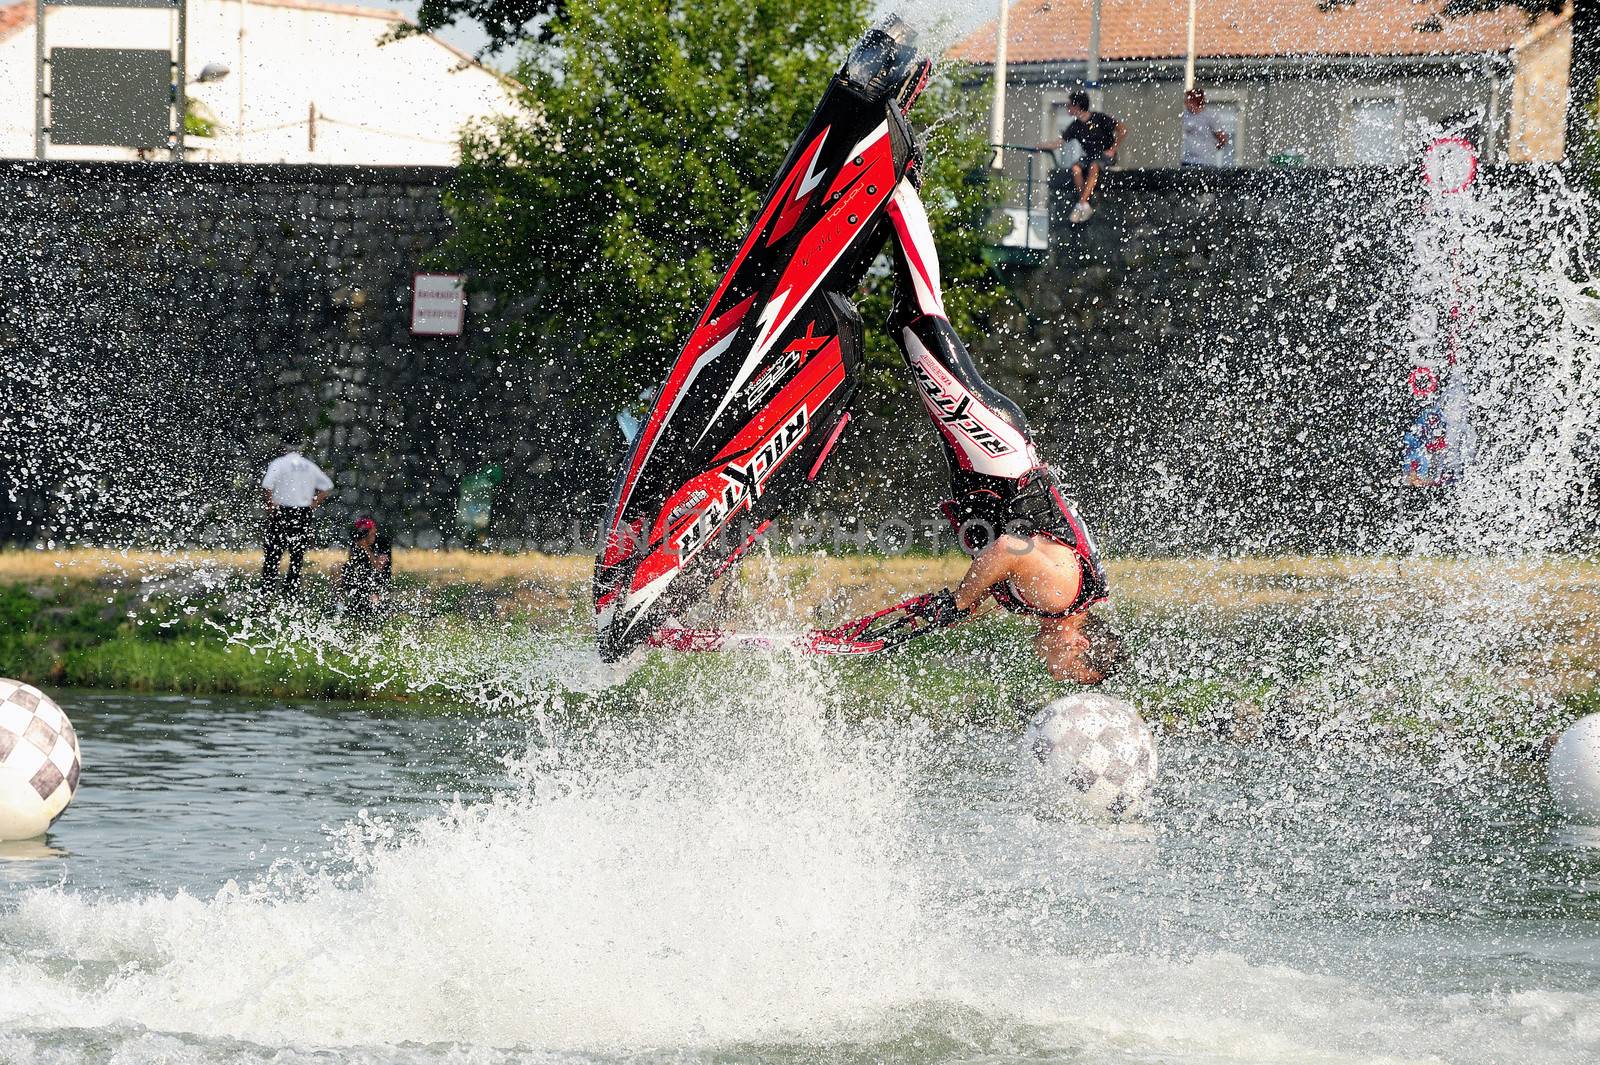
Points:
[1030,210]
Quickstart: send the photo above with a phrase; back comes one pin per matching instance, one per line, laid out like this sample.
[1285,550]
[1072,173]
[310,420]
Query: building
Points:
[1299,82]
[305,82]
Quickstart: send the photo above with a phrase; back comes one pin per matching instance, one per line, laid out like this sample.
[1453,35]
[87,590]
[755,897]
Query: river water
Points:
[752,878]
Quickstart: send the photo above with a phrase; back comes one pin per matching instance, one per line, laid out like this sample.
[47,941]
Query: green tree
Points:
[1582,130]
[602,216]
[505,23]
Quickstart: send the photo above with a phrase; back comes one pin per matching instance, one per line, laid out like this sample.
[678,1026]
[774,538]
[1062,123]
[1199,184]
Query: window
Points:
[1377,131]
[1228,115]
[1056,120]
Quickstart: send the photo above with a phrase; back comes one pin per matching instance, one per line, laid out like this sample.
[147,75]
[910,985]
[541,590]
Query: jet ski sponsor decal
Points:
[953,406]
[743,481]
[793,356]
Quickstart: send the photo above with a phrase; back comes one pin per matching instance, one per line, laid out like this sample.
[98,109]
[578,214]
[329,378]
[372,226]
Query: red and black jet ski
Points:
[763,386]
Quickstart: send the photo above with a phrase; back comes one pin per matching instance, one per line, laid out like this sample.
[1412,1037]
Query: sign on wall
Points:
[438,305]
[1449,164]
[119,96]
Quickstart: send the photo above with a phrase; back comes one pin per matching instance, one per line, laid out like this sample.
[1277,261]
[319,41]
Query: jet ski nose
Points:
[885,60]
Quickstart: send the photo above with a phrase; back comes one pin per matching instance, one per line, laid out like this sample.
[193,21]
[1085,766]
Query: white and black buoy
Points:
[1095,750]
[1574,770]
[39,761]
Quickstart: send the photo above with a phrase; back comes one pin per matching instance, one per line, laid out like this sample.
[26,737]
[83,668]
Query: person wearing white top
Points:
[293,487]
[1203,136]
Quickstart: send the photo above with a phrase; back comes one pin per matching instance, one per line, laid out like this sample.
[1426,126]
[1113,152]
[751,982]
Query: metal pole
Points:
[239,129]
[1490,148]
[1092,75]
[997,112]
[1027,219]
[1581,78]
[1188,67]
[38,79]
[181,81]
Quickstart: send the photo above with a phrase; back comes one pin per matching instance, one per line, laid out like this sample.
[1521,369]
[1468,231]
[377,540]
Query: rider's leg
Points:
[1088,187]
[986,441]
[984,433]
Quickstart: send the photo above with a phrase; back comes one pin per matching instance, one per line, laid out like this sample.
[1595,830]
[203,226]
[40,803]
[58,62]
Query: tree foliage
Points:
[603,215]
[506,22]
[1457,8]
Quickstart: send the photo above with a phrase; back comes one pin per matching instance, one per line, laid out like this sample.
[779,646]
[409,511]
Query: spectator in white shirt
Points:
[1203,136]
[293,487]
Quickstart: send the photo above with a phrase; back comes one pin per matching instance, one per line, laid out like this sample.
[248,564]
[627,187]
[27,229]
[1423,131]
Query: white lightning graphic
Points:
[813,175]
[776,314]
[639,602]
[770,320]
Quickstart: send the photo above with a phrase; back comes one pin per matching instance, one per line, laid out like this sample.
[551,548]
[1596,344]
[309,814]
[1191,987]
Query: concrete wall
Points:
[1538,113]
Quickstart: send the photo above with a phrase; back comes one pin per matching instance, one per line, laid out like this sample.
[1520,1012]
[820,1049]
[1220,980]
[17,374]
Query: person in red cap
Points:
[364,577]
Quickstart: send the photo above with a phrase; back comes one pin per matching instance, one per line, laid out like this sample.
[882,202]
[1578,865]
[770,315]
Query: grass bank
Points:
[98,634]
[1249,645]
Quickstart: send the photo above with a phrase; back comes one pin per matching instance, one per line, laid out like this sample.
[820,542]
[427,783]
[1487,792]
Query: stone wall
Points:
[163,325]
[1219,357]
[1216,359]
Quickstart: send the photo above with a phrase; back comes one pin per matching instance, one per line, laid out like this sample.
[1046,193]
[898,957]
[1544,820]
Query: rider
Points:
[1030,550]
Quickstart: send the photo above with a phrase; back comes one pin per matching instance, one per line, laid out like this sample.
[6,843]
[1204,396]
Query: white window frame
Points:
[1353,98]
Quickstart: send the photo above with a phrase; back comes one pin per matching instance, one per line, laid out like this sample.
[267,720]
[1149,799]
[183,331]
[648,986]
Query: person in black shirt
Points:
[364,578]
[1100,135]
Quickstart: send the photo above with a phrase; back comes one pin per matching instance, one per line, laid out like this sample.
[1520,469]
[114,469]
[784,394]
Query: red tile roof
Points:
[1045,30]
[337,9]
[16,16]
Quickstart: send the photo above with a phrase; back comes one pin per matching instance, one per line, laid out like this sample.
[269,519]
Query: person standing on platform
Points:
[1204,136]
[293,488]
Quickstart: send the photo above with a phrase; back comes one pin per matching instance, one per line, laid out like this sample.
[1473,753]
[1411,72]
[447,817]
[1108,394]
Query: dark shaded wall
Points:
[1217,360]
[1216,354]
[1219,357]
[162,325]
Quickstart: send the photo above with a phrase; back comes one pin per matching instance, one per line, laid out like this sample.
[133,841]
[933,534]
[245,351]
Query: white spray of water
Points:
[743,879]
[1517,341]
[728,874]
[1498,284]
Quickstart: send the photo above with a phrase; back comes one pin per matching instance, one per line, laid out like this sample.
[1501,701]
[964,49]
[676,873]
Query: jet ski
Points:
[762,389]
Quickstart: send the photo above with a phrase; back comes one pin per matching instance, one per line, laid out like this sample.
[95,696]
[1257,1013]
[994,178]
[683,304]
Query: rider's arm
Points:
[994,564]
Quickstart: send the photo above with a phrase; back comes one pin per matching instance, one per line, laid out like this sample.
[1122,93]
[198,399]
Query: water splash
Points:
[736,874]
[697,876]
[1519,319]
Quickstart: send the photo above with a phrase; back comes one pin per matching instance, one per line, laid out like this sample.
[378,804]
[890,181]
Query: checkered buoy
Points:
[1574,770]
[1096,750]
[39,761]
